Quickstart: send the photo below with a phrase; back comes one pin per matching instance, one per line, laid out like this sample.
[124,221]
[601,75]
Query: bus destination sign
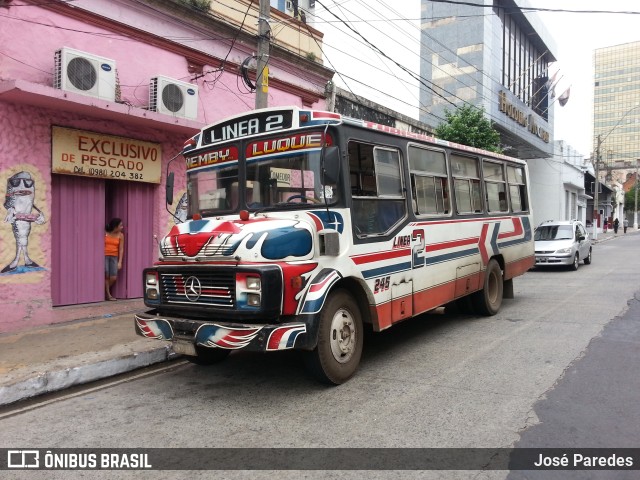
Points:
[253,124]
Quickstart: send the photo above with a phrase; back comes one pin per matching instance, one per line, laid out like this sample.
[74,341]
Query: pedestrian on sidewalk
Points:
[625,225]
[616,224]
[113,253]
[606,224]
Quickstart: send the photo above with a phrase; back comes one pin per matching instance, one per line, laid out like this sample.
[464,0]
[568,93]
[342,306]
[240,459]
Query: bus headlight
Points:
[253,283]
[248,289]
[253,299]
[152,287]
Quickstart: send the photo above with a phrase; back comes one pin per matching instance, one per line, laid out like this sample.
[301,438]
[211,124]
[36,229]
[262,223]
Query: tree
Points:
[630,200]
[468,126]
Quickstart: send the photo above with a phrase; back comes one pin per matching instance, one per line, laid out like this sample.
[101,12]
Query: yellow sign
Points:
[89,154]
[265,79]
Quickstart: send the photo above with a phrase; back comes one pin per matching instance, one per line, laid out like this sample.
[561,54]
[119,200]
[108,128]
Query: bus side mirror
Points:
[169,195]
[331,165]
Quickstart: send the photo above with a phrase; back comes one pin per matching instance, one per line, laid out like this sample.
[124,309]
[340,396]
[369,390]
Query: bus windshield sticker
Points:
[212,157]
[284,144]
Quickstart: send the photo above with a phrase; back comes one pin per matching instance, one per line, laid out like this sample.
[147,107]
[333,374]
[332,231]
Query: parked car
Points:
[562,243]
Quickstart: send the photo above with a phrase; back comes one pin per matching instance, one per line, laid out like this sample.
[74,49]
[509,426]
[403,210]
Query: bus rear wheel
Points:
[337,354]
[488,300]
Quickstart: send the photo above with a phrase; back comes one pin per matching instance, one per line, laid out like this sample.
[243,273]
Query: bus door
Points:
[379,208]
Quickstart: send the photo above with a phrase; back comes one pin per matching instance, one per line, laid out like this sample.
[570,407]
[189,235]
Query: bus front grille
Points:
[206,289]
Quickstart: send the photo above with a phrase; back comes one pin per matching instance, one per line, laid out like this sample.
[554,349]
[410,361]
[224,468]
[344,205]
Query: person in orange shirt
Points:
[113,253]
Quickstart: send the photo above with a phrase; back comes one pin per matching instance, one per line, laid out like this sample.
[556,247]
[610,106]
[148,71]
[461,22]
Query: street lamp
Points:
[596,206]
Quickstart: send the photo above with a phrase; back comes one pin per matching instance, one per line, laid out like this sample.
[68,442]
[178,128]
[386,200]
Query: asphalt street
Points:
[595,403]
[554,368]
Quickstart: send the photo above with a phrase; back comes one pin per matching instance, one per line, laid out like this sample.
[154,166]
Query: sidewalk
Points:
[51,358]
[81,350]
[603,237]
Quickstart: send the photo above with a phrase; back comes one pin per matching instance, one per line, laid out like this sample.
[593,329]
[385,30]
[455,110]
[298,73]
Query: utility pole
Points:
[262,69]
[596,209]
[635,211]
[597,169]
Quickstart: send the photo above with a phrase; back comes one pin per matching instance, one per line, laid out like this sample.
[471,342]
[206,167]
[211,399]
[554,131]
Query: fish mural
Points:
[20,205]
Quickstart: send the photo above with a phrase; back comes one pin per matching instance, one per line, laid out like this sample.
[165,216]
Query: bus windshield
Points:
[276,181]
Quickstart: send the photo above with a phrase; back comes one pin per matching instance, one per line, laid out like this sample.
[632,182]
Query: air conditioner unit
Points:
[84,73]
[173,97]
[288,5]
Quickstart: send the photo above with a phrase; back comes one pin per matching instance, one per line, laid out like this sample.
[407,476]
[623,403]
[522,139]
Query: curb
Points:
[55,380]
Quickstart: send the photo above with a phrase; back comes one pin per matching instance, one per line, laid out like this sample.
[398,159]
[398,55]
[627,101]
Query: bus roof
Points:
[271,120]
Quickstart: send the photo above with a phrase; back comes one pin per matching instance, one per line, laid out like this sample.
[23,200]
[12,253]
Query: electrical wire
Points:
[390,96]
[388,67]
[338,20]
[220,71]
[363,41]
[422,80]
[531,9]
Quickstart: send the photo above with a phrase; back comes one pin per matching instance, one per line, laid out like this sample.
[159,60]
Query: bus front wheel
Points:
[488,300]
[337,354]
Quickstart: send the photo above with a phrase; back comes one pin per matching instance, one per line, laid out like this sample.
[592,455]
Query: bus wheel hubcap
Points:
[343,336]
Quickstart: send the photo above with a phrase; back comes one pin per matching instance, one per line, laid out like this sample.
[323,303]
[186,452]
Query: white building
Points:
[557,185]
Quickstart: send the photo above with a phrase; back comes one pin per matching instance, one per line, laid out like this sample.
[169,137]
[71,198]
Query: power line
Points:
[390,96]
[417,77]
[368,44]
[389,71]
[533,9]
[224,61]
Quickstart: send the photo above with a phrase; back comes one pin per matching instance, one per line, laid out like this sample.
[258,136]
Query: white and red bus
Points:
[306,225]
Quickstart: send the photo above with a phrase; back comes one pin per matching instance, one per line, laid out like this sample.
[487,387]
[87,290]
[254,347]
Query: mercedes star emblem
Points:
[192,289]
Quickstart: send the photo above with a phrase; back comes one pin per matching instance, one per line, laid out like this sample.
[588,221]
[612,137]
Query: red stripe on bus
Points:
[319,286]
[466,220]
[440,295]
[379,256]
[517,229]
[432,247]
[519,267]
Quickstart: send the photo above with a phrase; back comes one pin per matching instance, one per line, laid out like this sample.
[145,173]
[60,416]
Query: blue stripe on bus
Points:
[494,240]
[511,243]
[313,305]
[527,234]
[451,256]
[378,272]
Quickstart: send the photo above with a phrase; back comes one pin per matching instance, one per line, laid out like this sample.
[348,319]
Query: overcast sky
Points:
[381,23]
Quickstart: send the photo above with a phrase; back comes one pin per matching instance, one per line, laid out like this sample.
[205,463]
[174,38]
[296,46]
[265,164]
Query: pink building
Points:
[96,98]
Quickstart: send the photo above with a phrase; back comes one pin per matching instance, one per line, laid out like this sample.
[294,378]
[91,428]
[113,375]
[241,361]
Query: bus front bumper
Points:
[187,334]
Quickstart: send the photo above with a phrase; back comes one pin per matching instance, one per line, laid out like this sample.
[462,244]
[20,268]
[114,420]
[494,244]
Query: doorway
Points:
[81,207]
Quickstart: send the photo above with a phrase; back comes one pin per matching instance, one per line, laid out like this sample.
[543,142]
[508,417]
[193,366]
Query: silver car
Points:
[562,243]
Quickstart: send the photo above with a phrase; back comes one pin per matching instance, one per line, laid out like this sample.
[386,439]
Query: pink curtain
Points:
[77,227]
[81,208]
[133,203]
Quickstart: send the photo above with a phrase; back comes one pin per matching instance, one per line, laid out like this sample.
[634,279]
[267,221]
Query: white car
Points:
[562,243]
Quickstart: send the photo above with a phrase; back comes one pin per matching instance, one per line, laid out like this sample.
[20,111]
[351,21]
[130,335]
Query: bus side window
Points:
[466,184]
[429,181]
[517,189]
[376,186]
[363,180]
[495,186]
